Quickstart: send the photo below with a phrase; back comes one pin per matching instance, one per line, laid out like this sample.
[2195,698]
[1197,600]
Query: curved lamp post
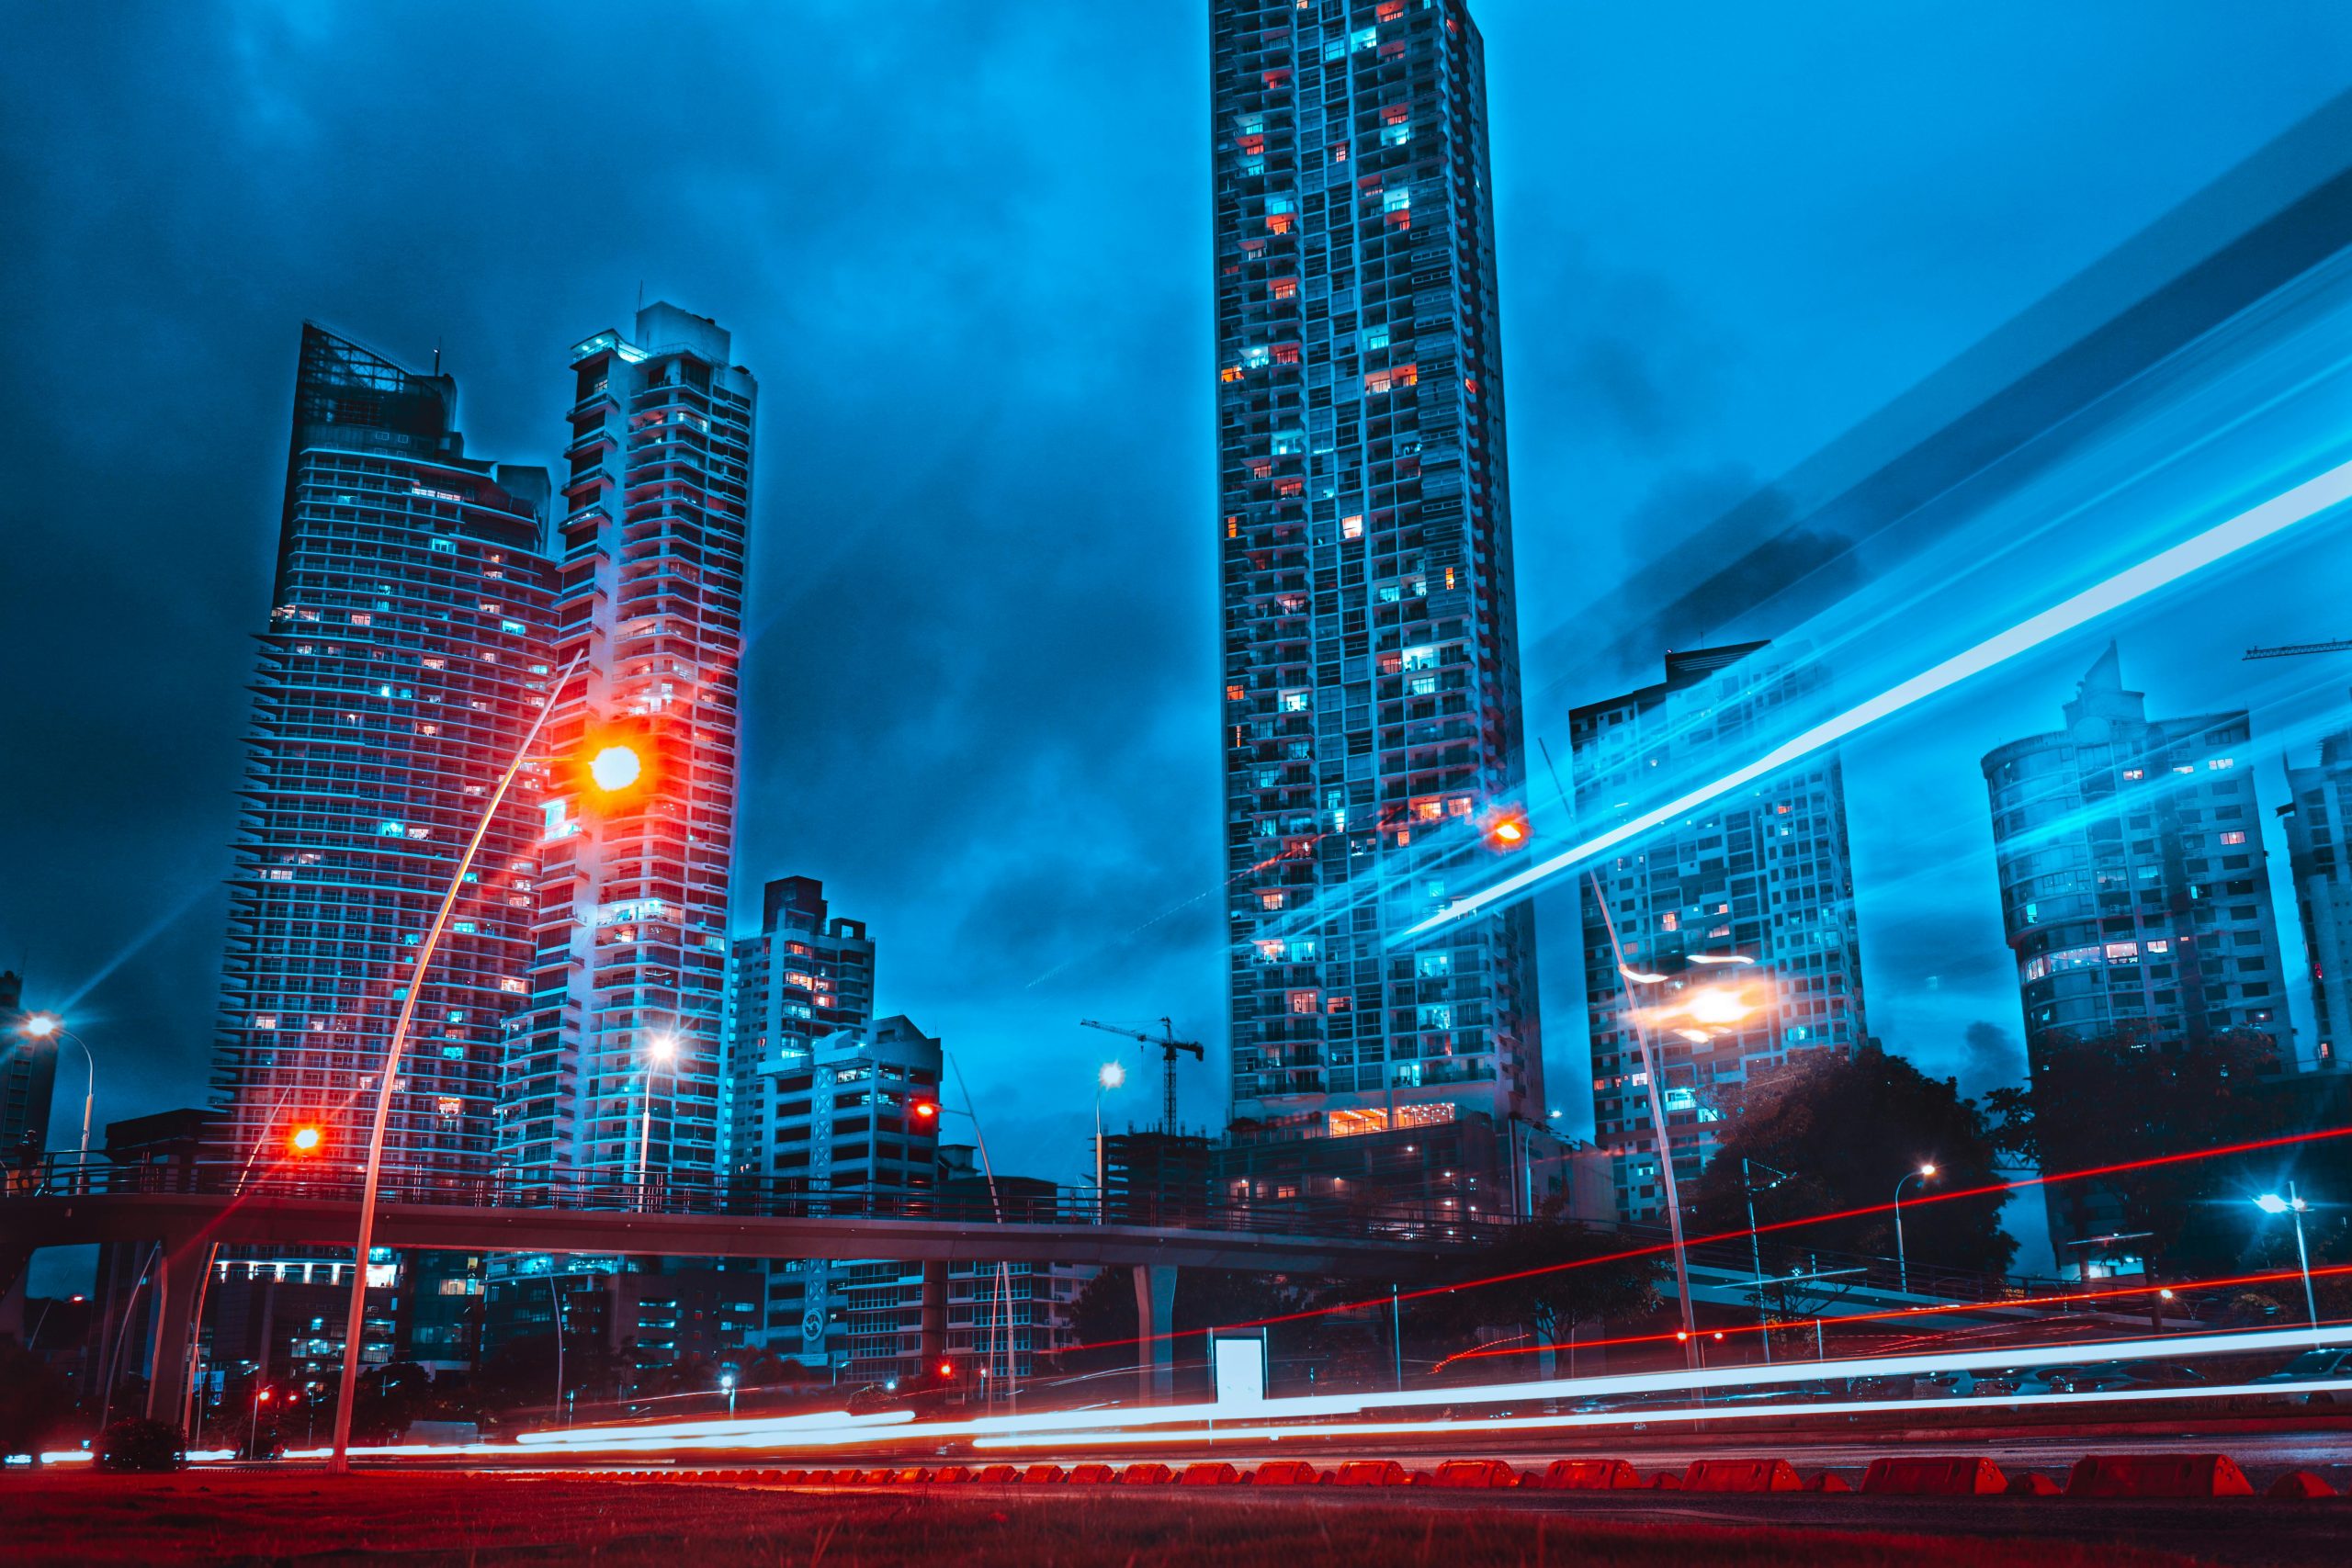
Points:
[356,1320]
[1902,1268]
[49,1026]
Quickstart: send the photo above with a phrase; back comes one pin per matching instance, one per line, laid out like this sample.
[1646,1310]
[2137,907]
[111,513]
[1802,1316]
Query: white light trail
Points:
[1648,1413]
[2249,527]
[1168,1423]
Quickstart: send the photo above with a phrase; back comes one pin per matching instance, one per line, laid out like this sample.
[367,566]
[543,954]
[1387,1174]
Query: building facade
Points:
[638,824]
[402,662]
[2318,820]
[1763,874]
[28,1083]
[1371,718]
[807,974]
[2134,890]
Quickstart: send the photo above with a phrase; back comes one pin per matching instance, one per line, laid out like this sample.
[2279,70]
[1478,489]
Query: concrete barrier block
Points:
[1209,1473]
[1827,1480]
[1091,1475]
[952,1475]
[2298,1483]
[1287,1472]
[996,1474]
[1665,1481]
[2033,1484]
[2157,1475]
[911,1475]
[1588,1476]
[1933,1475]
[1041,1474]
[1474,1475]
[1741,1475]
[1369,1472]
[1146,1473]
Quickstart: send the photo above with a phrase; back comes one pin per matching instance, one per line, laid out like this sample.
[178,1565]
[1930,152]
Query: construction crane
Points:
[2296,649]
[1169,1045]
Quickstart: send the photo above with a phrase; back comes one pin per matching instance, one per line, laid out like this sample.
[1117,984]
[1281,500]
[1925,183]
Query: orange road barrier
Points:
[1470,1475]
[1146,1473]
[1933,1476]
[1209,1473]
[2157,1475]
[1041,1474]
[1741,1475]
[1369,1472]
[1589,1475]
[2297,1483]
[1090,1476]
[1287,1472]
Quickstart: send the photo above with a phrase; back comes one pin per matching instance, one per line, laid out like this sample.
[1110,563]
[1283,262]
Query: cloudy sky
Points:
[965,248]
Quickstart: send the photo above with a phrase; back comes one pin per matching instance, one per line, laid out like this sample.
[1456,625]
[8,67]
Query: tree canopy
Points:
[1845,1129]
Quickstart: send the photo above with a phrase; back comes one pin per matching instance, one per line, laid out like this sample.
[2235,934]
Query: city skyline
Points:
[1122,898]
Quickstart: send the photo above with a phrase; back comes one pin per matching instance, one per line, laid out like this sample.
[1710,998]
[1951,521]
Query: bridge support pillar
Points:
[1155,1326]
[179,1276]
[934,1316]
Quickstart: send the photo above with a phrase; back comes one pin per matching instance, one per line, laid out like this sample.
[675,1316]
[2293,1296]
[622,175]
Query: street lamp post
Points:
[1111,1077]
[46,1026]
[662,1050]
[1902,1268]
[2293,1204]
[356,1318]
[727,1381]
[1708,1008]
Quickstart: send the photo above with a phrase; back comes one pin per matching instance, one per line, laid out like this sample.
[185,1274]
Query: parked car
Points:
[2312,1366]
[2117,1377]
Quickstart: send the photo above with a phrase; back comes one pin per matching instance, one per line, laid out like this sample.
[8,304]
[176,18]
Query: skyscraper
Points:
[617,1066]
[1762,873]
[28,1078]
[1371,667]
[808,974]
[2134,892]
[403,659]
[2318,819]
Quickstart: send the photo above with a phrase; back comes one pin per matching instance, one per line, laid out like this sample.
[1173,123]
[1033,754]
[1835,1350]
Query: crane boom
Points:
[2297,649]
[1169,1045]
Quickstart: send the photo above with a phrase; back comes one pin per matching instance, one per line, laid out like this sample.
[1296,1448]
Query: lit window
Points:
[1295,699]
[2235,837]
[265,1021]
[1351,527]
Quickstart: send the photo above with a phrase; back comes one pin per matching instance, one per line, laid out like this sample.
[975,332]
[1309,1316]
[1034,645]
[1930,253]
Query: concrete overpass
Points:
[185,1225]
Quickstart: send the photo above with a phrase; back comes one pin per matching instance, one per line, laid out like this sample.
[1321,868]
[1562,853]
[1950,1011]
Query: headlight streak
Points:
[1167,1424]
[1227,1434]
[1899,1315]
[2248,527]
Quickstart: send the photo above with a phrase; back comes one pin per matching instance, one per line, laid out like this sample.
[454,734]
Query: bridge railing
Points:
[1436,1222]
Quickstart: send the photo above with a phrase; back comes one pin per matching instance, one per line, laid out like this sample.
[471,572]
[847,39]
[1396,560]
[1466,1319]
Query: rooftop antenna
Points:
[436,356]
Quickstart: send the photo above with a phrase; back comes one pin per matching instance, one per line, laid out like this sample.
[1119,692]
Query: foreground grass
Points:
[432,1519]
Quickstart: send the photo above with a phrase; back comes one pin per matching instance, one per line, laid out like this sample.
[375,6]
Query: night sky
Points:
[964,249]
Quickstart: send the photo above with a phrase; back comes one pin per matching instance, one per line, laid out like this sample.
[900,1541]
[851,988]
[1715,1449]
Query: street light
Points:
[356,1316]
[661,1051]
[1111,1077]
[727,1381]
[1903,1269]
[47,1025]
[2293,1204]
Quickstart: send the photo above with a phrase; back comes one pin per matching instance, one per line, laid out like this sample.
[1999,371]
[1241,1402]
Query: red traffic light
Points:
[946,1369]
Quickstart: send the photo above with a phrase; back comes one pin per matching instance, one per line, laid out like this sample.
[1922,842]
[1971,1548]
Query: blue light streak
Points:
[2249,527]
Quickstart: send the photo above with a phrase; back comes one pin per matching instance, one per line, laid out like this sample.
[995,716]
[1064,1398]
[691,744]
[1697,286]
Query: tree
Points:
[2126,1096]
[1845,1129]
[1533,1288]
[35,1402]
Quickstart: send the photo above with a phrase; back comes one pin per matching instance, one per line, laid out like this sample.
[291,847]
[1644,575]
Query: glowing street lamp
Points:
[306,1140]
[615,767]
[726,1382]
[1903,1269]
[662,1050]
[2293,1204]
[1110,1078]
[49,1026]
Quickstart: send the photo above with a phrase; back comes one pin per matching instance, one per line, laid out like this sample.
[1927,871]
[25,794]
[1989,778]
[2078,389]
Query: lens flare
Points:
[615,767]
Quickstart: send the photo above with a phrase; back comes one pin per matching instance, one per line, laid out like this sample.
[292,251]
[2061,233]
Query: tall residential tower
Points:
[2318,819]
[2134,891]
[403,660]
[617,1067]
[1762,873]
[1371,667]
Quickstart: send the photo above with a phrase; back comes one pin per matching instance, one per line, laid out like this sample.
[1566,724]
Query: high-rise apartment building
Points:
[2134,892]
[808,974]
[637,832]
[1371,667]
[2318,819]
[403,660]
[28,1080]
[1762,873]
